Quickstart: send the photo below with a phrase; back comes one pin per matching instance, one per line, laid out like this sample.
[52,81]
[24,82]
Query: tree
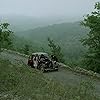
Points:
[5,36]
[92,41]
[55,50]
[26,49]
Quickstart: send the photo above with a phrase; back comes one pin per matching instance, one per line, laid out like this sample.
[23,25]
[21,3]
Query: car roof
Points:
[40,53]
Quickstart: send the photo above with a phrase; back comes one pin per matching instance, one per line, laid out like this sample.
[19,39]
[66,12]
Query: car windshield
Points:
[41,53]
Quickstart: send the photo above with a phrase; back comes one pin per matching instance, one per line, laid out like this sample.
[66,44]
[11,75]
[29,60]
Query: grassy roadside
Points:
[19,82]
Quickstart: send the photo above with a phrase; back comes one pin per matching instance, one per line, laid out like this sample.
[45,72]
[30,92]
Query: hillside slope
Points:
[57,31]
[67,35]
[18,81]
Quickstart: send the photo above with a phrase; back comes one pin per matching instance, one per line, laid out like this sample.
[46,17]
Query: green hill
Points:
[67,35]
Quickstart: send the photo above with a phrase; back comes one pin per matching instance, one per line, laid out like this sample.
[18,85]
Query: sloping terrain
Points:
[33,83]
[18,82]
[67,35]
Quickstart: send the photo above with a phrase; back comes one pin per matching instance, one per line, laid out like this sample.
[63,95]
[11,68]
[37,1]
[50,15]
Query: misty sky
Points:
[45,8]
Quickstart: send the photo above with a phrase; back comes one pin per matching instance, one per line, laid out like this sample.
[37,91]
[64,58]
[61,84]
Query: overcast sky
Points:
[45,8]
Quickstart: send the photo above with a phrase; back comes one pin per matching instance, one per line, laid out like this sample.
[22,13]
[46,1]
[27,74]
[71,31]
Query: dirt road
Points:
[63,75]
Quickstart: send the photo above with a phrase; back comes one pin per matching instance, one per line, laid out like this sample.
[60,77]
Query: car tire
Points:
[56,70]
[42,68]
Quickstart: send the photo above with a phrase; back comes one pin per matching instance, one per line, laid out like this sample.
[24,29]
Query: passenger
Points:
[30,61]
[32,58]
[35,60]
[55,59]
[41,59]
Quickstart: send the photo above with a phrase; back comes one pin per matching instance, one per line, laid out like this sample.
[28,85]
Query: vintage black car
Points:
[42,61]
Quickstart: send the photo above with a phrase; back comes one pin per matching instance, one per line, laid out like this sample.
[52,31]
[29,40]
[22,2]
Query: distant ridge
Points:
[67,35]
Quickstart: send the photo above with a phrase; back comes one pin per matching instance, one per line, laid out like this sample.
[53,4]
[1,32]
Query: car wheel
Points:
[42,69]
[56,70]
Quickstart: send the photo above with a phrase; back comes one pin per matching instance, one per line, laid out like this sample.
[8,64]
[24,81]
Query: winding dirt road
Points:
[63,75]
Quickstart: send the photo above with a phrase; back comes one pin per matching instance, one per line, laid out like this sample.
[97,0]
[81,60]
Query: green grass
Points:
[19,82]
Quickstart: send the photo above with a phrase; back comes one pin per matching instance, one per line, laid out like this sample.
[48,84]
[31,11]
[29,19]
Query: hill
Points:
[67,35]
[23,23]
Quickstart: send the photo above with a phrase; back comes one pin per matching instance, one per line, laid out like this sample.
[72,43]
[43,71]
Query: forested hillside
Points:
[67,35]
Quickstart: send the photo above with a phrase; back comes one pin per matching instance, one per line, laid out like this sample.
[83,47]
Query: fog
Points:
[46,8]
[29,14]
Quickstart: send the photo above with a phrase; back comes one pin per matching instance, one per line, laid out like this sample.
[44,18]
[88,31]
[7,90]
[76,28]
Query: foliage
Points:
[26,49]
[55,50]
[23,45]
[5,33]
[92,21]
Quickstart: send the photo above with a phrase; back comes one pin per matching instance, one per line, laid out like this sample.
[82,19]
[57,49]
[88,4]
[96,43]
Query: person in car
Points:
[42,59]
[54,58]
[46,61]
[30,61]
[35,60]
